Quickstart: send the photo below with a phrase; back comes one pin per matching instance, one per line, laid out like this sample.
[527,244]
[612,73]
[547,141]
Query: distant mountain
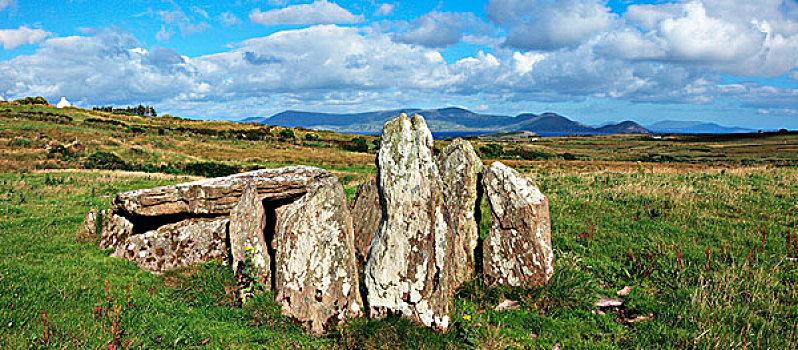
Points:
[694,127]
[626,127]
[445,120]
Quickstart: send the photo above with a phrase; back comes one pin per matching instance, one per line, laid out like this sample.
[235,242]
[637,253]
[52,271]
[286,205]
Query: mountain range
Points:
[455,120]
[694,127]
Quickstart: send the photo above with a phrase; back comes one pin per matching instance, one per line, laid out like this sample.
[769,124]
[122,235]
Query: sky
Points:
[733,62]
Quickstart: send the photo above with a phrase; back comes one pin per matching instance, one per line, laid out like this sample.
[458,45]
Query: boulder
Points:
[517,250]
[219,195]
[180,244]
[248,244]
[316,276]
[460,168]
[406,271]
[366,212]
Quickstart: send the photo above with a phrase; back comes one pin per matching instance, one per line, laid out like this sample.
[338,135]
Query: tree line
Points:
[141,110]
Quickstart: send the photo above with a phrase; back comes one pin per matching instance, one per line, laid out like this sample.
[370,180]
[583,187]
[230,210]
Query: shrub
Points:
[38,100]
[358,144]
[491,151]
[286,134]
[527,154]
[311,137]
[105,160]
[210,169]
[64,152]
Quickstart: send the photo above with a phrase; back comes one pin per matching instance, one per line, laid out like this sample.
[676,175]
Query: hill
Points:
[445,120]
[694,127]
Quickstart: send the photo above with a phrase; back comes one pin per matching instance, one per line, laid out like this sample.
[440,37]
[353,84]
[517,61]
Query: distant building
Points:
[63,103]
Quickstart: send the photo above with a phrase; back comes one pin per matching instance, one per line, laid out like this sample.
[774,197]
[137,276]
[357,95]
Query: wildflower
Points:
[467,317]
[249,248]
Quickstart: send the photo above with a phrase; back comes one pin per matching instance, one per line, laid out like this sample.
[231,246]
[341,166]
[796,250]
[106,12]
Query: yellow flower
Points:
[467,317]
[249,248]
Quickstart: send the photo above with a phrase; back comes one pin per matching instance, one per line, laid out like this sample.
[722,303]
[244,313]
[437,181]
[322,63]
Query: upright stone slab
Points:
[407,270]
[366,213]
[316,276]
[517,251]
[180,244]
[247,242]
[460,167]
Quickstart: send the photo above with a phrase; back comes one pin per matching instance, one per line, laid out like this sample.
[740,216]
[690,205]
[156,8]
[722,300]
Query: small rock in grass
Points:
[624,291]
[507,304]
[609,302]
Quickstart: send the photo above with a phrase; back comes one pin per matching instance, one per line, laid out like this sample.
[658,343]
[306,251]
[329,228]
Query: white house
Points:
[63,103]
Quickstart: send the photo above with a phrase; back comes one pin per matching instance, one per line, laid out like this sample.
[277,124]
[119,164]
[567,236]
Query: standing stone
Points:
[460,167]
[90,222]
[366,212]
[180,244]
[407,268]
[517,251]
[316,277]
[247,242]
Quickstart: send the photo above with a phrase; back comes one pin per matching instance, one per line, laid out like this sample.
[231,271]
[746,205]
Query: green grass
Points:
[683,228]
[731,300]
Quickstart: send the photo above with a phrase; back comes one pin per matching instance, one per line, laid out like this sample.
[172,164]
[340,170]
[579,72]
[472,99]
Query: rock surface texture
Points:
[316,276]
[366,214]
[247,242]
[219,195]
[407,270]
[517,250]
[176,245]
[289,227]
[460,168]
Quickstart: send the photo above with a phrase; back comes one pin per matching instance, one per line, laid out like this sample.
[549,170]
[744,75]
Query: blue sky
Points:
[726,61]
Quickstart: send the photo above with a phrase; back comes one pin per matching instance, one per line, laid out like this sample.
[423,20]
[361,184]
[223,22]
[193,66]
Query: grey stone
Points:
[316,276]
[367,213]
[176,245]
[407,270]
[460,167]
[517,250]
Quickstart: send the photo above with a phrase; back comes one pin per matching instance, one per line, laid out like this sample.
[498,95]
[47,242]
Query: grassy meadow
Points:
[702,230]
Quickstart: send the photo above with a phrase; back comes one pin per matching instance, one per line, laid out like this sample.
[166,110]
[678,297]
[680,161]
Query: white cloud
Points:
[441,29]
[318,12]
[6,3]
[384,10]
[355,68]
[525,63]
[13,38]
[228,18]
[547,25]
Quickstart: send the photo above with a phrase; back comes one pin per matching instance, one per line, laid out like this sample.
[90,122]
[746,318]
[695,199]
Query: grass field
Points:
[697,227]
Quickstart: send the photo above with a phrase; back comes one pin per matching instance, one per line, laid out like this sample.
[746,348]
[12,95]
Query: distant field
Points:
[696,225]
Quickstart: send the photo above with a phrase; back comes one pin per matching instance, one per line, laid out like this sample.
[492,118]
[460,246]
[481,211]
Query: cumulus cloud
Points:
[440,29]
[318,12]
[353,68]
[13,38]
[742,39]
[547,25]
